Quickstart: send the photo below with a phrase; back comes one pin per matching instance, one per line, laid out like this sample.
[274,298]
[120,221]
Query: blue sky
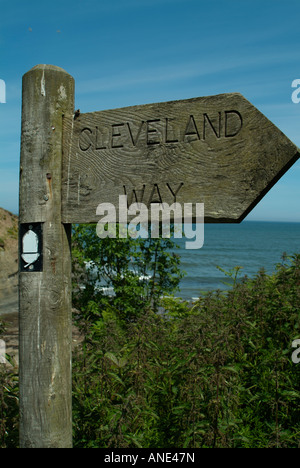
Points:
[128,52]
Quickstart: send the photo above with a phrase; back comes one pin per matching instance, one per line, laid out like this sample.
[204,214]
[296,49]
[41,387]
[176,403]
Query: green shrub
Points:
[215,374]
[163,373]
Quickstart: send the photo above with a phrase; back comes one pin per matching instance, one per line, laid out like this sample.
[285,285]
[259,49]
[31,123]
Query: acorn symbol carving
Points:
[30,248]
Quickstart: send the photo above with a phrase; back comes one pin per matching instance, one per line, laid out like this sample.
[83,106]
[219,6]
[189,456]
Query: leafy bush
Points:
[157,372]
[217,373]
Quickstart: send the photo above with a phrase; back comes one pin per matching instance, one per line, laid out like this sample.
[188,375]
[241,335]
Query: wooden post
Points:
[45,286]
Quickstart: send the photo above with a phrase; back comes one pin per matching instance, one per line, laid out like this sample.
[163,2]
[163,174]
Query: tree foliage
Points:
[125,276]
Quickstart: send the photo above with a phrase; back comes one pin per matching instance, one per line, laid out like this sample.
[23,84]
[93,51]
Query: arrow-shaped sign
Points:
[217,150]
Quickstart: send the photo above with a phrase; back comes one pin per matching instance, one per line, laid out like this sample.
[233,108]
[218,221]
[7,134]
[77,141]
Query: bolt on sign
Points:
[218,150]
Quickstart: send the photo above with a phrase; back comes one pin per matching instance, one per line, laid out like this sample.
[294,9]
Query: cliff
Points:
[8,262]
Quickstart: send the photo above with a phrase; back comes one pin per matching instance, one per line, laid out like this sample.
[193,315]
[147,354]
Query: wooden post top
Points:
[48,96]
[47,67]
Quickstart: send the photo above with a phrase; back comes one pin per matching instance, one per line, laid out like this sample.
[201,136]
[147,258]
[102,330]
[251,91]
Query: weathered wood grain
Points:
[218,150]
[45,297]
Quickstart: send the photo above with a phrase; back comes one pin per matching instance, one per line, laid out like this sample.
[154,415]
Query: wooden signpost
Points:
[218,150]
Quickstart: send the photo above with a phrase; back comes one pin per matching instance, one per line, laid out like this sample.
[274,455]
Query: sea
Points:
[251,245]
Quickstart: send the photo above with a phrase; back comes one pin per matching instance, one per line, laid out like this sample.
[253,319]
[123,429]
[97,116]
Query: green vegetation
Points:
[138,271]
[163,373]
[215,374]
[9,408]
[13,232]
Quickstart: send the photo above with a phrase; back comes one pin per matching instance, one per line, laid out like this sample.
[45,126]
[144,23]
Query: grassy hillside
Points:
[8,253]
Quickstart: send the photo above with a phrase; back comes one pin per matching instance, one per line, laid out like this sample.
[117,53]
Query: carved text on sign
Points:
[217,150]
[149,194]
[226,124]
